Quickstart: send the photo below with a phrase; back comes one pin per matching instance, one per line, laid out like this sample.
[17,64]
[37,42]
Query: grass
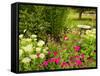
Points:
[87,19]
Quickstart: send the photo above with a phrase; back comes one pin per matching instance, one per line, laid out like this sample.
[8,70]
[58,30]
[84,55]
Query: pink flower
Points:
[82,56]
[49,52]
[52,60]
[57,60]
[78,62]
[65,38]
[45,63]
[55,53]
[64,64]
[77,48]
[77,57]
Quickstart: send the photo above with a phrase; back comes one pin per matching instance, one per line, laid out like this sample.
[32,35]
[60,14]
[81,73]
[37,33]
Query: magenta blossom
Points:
[78,62]
[77,48]
[45,63]
[55,53]
[49,52]
[77,57]
[57,60]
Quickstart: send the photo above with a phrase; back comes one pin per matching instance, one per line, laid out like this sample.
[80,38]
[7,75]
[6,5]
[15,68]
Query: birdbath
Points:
[83,28]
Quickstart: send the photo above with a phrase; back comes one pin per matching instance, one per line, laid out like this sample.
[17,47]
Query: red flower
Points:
[55,53]
[65,38]
[77,48]
[45,63]
[78,62]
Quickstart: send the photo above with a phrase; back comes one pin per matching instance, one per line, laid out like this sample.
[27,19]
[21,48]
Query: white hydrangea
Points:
[28,39]
[21,36]
[28,48]
[33,56]
[38,49]
[45,51]
[46,48]
[26,60]
[40,43]
[35,39]
[33,36]
[24,30]
[20,52]
[42,56]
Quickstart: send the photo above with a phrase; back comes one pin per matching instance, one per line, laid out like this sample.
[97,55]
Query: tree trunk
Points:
[80,14]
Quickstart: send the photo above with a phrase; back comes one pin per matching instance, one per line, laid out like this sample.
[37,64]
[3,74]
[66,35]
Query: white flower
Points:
[35,39]
[45,51]
[46,48]
[38,49]
[26,60]
[28,39]
[21,36]
[33,56]
[28,48]
[20,52]
[33,36]
[41,55]
[40,43]
[24,31]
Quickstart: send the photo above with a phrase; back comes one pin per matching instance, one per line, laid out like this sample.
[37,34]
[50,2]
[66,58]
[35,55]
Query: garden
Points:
[56,37]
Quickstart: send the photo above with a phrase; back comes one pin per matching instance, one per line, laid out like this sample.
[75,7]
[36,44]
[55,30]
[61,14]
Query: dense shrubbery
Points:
[48,42]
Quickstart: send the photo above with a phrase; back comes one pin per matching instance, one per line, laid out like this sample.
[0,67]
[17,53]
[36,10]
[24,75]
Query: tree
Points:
[81,10]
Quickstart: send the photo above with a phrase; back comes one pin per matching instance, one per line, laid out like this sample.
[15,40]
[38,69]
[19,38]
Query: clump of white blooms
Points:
[38,49]
[26,60]
[42,55]
[45,51]
[33,56]
[40,43]
[28,48]
[33,36]
[21,36]
[20,52]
